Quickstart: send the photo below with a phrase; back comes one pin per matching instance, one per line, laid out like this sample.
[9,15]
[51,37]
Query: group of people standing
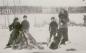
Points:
[59,32]
[21,38]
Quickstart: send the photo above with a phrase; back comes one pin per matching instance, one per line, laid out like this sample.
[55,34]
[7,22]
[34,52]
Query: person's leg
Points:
[25,39]
[21,41]
[65,35]
[11,39]
[62,37]
[54,35]
[50,36]
[15,41]
[60,34]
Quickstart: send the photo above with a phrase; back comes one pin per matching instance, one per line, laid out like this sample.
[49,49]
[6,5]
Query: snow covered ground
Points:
[41,34]
[76,36]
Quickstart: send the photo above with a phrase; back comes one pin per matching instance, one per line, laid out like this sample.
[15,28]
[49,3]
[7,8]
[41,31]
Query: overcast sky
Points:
[44,3]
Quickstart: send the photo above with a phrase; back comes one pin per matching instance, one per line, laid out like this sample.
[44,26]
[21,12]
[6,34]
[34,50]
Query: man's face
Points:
[62,11]
[25,18]
[17,20]
[52,19]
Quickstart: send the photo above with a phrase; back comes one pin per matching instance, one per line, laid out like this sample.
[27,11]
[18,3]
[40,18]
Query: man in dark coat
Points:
[53,27]
[25,24]
[63,25]
[25,28]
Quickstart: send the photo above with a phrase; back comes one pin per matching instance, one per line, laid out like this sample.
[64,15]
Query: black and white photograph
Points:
[42,26]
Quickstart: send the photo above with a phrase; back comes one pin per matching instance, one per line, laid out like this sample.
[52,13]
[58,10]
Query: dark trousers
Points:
[52,33]
[63,32]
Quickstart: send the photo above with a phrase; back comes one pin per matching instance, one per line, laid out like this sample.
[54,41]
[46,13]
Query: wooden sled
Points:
[55,44]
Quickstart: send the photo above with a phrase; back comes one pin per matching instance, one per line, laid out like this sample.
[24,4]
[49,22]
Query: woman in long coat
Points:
[63,26]
[15,28]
